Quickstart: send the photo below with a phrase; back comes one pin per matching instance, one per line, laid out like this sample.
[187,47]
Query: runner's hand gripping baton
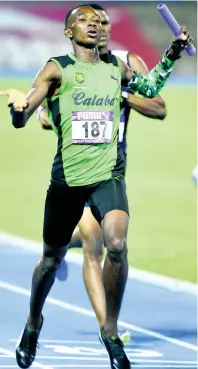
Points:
[174,26]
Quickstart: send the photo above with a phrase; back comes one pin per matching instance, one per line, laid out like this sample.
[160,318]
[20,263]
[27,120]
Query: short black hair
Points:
[92,5]
[97,7]
[69,14]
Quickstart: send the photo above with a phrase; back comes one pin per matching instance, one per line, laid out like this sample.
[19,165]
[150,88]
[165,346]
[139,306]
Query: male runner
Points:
[88,234]
[88,166]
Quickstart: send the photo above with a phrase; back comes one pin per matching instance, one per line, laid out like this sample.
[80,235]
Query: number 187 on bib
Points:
[92,131]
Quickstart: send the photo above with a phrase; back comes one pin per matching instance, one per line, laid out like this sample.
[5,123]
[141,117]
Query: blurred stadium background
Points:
[161,154]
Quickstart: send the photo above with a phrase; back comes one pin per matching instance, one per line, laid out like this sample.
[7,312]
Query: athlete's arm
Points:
[151,84]
[42,116]
[13,95]
[152,108]
[44,85]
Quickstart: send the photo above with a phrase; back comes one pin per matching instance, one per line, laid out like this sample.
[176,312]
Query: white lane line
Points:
[12,355]
[107,366]
[158,280]
[83,311]
[133,344]
[133,366]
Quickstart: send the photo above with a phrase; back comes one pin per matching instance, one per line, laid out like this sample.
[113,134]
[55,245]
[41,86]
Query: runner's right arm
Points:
[47,81]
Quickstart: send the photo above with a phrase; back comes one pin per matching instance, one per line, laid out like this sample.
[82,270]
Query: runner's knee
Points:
[91,239]
[117,249]
[52,258]
[93,250]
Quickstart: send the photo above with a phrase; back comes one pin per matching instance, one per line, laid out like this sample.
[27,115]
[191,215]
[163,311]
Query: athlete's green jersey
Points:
[85,115]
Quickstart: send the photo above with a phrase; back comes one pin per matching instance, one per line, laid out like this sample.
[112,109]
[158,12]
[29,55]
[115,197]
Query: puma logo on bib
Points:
[92,127]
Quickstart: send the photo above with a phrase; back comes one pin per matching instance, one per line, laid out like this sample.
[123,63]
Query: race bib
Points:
[121,127]
[92,127]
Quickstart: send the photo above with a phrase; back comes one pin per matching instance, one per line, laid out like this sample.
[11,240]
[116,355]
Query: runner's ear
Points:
[68,33]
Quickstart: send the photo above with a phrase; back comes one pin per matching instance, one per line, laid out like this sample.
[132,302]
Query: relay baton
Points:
[174,26]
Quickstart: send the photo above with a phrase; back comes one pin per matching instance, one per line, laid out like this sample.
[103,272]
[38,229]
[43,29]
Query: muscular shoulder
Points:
[62,61]
[49,73]
[48,78]
[52,70]
[137,63]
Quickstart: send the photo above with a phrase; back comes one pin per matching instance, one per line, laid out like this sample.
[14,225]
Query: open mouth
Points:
[92,33]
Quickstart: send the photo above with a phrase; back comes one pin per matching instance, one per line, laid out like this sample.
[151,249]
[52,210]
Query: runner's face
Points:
[106,28]
[84,27]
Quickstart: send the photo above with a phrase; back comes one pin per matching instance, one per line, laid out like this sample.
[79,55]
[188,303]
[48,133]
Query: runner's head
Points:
[105,22]
[83,26]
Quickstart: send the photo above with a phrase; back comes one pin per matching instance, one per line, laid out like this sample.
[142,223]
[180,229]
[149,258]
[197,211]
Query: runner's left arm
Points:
[152,108]
[43,118]
[151,84]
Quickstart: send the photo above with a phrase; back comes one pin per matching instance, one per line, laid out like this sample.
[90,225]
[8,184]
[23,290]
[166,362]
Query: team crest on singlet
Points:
[79,78]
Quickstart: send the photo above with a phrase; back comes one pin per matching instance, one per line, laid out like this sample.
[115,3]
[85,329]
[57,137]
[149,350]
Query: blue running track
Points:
[162,321]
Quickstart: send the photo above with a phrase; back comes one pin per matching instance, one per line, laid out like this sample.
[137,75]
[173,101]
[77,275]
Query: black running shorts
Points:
[64,206]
